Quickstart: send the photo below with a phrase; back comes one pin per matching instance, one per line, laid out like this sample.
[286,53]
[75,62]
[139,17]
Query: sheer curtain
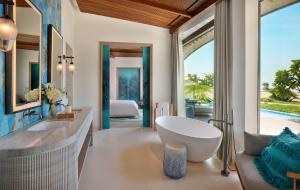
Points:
[177,86]
[223,75]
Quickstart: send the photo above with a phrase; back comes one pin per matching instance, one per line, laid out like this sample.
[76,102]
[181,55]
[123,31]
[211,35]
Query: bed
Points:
[124,108]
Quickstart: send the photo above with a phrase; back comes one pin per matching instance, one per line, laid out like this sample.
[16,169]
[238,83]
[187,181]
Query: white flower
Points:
[53,94]
[32,95]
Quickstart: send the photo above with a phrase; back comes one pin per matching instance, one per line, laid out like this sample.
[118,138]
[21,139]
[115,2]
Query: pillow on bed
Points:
[281,156]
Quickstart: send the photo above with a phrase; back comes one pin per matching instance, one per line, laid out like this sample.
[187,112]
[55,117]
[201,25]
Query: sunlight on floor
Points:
[131,158]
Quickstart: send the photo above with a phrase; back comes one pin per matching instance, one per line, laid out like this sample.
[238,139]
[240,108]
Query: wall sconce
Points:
[8,29]
[71,64]
[59,65]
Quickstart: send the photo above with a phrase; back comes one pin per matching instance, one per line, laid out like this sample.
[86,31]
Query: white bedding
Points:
[124,108]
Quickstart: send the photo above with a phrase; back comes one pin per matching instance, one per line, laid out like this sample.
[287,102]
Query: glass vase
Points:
[52,111]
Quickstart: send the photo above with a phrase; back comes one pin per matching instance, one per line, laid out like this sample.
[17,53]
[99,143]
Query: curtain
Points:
[177,86]
[223,75]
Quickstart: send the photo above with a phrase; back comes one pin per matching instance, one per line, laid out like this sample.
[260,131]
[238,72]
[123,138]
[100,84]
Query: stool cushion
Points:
[175,160]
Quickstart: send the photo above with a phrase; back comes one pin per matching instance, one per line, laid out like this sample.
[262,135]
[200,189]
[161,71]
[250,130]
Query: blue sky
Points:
[280,43]
[201,61]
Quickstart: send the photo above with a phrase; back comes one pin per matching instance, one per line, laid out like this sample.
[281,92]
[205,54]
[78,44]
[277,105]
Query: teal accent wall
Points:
[146,87]
[51,10]
[129,84]
[105,87]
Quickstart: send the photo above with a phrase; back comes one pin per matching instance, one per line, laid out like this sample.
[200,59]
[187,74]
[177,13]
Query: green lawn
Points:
[288,107]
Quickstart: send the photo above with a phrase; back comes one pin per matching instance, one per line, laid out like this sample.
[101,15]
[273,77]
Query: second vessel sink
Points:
[45,125]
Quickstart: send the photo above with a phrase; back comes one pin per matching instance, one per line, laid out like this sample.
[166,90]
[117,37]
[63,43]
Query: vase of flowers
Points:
[53,97]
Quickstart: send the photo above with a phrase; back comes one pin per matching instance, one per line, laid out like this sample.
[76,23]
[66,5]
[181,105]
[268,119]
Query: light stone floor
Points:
[131,159]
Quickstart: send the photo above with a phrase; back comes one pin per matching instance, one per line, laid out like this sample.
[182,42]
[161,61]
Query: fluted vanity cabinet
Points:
[46,156]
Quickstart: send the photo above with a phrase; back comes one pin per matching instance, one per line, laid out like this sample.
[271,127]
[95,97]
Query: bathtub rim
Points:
[160,126]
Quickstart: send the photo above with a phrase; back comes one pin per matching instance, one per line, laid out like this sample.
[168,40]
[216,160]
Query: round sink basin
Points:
[46,125]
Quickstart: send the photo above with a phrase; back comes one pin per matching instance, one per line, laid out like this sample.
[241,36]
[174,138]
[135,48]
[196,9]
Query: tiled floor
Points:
[131,159]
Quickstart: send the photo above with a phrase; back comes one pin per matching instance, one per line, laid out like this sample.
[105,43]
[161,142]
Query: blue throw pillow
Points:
[281,156]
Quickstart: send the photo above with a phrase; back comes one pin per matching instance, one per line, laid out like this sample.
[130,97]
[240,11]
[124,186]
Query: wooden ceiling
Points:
[22,3]
[163,13]
[29,42]
[126,53]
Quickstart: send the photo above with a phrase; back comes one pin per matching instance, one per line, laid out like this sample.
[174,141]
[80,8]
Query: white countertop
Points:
[24,141]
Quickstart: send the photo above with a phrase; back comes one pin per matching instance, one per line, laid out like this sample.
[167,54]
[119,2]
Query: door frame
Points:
[139,45]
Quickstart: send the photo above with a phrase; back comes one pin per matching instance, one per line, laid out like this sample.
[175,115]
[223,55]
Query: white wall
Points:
[129,62]
[245,68]
[68,22]
[251,63]
[90,30]
[68,30]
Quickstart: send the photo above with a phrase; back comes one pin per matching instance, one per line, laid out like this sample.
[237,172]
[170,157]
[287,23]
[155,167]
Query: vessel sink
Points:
[45,125]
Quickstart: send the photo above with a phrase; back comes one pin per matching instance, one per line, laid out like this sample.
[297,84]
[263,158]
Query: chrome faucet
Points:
[30,113]
[221,121]
[226,137]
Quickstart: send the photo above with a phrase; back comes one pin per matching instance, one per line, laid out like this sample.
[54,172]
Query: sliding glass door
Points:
[279,66]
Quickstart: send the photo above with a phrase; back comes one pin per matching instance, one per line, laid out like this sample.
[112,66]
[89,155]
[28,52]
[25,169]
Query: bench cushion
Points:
[249,175]
[254,144]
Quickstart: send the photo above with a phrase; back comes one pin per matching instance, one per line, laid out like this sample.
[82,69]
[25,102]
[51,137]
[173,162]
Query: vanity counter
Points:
[48,155]
[26,141]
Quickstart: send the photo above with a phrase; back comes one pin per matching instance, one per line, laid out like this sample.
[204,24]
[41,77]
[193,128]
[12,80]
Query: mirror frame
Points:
[51,31]
[10,68]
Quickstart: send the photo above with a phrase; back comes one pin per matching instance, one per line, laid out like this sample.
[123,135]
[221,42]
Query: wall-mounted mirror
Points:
[23,63]
[55,59]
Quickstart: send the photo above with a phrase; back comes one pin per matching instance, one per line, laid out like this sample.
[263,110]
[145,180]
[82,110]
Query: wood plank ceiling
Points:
[163,13]
[22,3]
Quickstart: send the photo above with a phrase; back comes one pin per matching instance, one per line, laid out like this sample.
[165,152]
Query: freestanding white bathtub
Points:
[202,140]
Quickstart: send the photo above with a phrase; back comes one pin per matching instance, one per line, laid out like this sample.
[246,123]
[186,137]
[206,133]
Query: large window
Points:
[280,66]
[199,78]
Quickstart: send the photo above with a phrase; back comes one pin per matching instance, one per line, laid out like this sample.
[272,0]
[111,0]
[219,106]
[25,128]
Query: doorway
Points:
[125,83]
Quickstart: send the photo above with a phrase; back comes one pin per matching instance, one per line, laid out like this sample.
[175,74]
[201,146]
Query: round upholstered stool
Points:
[175,160]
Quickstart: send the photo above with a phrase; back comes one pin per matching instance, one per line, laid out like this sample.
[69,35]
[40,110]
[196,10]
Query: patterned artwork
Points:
[51,11]
[129,84]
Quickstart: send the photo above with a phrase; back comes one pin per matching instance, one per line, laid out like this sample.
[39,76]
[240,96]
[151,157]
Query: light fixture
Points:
[71,66]
[8,29]
[59,65]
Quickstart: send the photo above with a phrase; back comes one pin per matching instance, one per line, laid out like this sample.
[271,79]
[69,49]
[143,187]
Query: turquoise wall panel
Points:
[51,10]
[105,87]
[129,84]
[146,87]
[34,78]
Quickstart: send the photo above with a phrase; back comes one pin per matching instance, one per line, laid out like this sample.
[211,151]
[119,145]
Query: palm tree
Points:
[196,88]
